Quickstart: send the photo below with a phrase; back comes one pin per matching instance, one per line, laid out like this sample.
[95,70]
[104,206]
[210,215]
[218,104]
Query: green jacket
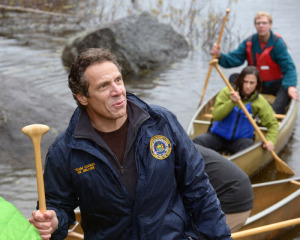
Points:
[260,107]
[13,225]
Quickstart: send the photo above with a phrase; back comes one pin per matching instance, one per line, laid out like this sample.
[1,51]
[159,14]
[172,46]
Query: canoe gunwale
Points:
[289,113]
[199,109]
[273,208]
[297,178]
[284,201]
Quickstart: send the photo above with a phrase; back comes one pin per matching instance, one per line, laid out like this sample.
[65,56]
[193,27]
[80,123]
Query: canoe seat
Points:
[207,115]
[295,182]
[278,116]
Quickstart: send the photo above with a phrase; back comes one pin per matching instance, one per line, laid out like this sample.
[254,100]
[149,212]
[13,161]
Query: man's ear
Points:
[82,99]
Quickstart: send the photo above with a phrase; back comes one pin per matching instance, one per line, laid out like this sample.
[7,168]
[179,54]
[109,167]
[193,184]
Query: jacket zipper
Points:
[133,139]
[235,126]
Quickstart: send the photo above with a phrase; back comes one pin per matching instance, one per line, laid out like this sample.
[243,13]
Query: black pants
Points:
[282,98]
[217,143]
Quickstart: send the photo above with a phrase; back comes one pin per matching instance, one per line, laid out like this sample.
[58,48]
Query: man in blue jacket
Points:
[268,52]
[129,166]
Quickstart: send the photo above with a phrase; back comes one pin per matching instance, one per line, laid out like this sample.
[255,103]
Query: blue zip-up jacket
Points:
[173,200]
[236,125]
[279,54]
[259,105]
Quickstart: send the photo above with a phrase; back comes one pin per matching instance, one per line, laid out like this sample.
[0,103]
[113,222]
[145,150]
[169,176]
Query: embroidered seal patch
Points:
[160,147]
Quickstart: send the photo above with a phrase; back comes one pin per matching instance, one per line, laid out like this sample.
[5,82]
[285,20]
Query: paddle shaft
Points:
[35,133]
[266,228]
[283,166]
[214,56]
[76,235]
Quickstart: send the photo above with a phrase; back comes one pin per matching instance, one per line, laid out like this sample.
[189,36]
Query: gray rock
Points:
[22,105]
[139,41]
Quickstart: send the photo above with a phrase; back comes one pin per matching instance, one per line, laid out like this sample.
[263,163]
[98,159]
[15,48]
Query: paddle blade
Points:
[281,166]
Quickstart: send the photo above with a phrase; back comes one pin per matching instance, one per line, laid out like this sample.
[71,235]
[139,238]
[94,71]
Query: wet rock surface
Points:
[22,105]
[140,42]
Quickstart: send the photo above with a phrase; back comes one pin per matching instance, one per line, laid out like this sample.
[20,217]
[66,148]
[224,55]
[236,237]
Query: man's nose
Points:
[116,88]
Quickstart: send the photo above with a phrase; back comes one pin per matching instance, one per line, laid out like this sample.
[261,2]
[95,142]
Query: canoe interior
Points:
[271,194]
[77,229]
[273,203]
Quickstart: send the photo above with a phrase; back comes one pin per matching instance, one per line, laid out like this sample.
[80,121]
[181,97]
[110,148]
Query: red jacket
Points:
[268,69]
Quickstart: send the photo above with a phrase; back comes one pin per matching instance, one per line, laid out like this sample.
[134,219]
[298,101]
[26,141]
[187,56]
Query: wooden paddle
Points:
[35,132]
[281,166]
[214,56]
[265,228]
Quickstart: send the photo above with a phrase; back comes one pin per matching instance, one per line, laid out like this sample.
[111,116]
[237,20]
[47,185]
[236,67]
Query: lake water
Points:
[178,87]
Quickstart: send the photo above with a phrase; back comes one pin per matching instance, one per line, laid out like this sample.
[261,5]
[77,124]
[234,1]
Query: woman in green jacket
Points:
[231,130]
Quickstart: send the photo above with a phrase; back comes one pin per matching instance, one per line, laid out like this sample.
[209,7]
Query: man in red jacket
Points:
[268,52]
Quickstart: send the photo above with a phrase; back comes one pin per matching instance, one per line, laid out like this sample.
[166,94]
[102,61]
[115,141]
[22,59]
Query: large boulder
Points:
[139,41]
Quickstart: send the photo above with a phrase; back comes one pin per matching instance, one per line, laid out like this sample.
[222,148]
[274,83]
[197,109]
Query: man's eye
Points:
[119,80]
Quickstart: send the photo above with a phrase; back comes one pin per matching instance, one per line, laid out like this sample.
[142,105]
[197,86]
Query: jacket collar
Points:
[137,112]
[270,41]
